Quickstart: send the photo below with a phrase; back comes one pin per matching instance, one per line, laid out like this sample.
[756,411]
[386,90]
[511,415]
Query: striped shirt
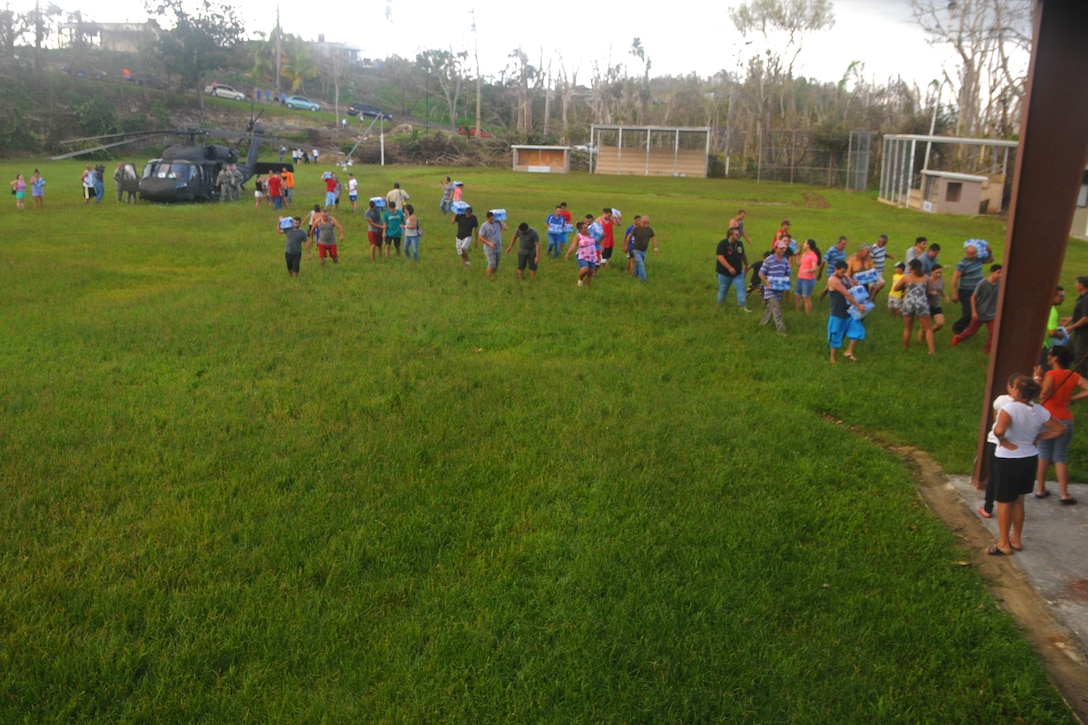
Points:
[970,273]
[878,254]
[774,267]
[834,255]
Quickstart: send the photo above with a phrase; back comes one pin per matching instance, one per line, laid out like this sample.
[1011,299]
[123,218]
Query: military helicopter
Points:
[187,171]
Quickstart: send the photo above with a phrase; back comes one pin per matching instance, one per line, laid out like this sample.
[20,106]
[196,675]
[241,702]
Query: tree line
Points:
[759,110]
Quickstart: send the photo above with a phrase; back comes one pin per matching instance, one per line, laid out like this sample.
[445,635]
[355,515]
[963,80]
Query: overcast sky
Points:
[879,33]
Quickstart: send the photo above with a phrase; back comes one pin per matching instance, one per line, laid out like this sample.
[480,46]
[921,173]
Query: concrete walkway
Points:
[1055,555]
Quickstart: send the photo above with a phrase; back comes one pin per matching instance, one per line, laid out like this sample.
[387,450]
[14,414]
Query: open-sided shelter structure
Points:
[650,150]
[542,159]
[943,192]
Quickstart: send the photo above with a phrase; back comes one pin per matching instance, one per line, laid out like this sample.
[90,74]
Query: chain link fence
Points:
[795,157]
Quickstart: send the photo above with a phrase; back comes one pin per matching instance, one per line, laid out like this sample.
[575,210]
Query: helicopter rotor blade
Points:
[102,147]
[116,135]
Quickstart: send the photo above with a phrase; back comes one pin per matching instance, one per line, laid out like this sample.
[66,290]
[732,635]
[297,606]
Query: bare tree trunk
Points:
[547,99]
[524,119]
[982,33]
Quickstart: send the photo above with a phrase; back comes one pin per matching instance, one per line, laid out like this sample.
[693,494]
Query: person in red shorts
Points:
[375,229]
[327,238]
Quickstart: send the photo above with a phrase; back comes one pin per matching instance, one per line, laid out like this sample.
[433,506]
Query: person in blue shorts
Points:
[447,194]
[331,182]
[394,224]
[353,192]
[557,235]
[840,324]
[37,190]
[629,245]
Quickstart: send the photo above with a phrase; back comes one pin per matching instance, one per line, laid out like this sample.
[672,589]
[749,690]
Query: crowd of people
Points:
[391,220]
[854,281]
[917,292]
[1033,421]
[37,190]
[1026,437]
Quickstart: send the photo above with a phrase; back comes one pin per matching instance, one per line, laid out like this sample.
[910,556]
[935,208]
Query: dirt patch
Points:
[1078,589]
[1059,650]
[815,201]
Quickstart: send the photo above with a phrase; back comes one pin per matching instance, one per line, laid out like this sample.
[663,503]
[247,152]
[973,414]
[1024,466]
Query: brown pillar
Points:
[1049,169]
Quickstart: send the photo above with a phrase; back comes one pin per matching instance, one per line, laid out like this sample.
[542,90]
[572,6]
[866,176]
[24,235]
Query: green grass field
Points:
[402,493]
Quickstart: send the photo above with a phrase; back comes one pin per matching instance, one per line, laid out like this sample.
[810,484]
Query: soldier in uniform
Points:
[235,183]
[223,181]
[118,176]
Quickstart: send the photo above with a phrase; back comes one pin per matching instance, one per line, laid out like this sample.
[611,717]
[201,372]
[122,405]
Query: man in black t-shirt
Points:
[528,240]
[466,224]
[1077,325]
[731,263]
[642,235]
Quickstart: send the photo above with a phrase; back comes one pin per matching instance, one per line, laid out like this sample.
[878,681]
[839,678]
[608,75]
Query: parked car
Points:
[368,111]
[221,91]
[301,102]
[472,132]
[146,79]
[92,73]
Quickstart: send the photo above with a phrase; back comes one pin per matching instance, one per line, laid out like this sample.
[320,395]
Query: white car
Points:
[223,91]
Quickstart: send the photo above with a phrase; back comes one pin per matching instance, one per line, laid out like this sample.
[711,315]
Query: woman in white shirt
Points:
[1019,425]
[411,233]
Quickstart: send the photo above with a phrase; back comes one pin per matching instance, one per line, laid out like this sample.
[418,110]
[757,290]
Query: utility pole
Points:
[279,49]
[479,83]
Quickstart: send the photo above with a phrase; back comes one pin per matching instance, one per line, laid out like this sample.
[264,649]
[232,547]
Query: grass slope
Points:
[390,492]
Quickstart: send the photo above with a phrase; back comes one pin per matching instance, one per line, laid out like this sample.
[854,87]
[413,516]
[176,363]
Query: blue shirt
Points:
[970,273]
[834,255]
[928,262]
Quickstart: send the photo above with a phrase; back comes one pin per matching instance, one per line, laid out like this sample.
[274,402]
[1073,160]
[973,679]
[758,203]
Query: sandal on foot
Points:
[1068,501]
[1044,494]
[849,356]
[994,551]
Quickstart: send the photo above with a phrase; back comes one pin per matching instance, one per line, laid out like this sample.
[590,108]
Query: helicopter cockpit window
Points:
[130,172]
[176,170]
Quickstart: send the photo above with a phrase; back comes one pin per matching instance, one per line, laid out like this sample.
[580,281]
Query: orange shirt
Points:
[1058,402]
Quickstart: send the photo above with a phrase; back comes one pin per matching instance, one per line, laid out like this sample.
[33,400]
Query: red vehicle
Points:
[472,132]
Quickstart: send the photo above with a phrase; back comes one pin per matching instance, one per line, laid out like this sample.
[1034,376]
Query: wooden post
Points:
[1049,169]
